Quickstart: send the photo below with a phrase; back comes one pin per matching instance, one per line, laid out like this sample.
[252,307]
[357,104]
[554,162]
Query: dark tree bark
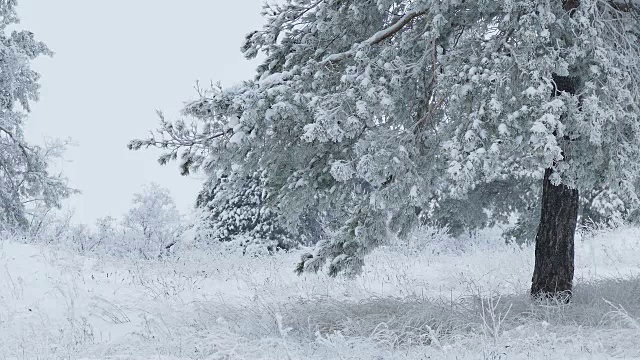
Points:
[553,271]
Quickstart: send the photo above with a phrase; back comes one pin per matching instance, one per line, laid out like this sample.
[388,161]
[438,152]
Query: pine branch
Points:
[378,37]
[625,5]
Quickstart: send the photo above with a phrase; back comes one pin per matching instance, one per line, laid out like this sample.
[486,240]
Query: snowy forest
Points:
[395,179]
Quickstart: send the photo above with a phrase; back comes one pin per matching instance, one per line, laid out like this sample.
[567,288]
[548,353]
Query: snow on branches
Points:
[379,111]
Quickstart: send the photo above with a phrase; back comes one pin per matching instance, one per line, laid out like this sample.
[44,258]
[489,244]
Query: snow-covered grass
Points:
[433,297]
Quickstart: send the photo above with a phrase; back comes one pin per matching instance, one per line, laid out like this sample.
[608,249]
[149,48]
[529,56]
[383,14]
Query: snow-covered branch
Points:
[625,5]
[378,37]
[19,144]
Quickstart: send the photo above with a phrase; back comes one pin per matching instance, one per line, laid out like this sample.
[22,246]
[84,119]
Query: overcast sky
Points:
[115,63]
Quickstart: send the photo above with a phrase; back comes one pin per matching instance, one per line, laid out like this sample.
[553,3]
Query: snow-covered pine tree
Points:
[235,210]
[24,176]
[372,109]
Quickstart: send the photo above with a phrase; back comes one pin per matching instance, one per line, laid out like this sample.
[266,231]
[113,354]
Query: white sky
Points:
[115,63]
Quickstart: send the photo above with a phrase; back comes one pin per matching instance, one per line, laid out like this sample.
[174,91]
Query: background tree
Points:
[371,110]
[238,210]
[153,224]
[502,202]
[24,175]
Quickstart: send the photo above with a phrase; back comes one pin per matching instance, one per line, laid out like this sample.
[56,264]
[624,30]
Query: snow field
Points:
[432,297]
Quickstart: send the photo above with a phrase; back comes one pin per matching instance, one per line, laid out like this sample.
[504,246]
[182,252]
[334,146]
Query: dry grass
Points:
[469,302]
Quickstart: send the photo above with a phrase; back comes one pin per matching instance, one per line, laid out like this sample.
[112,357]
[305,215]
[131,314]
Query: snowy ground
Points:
[443,300]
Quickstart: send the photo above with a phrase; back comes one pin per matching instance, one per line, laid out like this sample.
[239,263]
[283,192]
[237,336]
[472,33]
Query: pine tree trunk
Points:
[553,272]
